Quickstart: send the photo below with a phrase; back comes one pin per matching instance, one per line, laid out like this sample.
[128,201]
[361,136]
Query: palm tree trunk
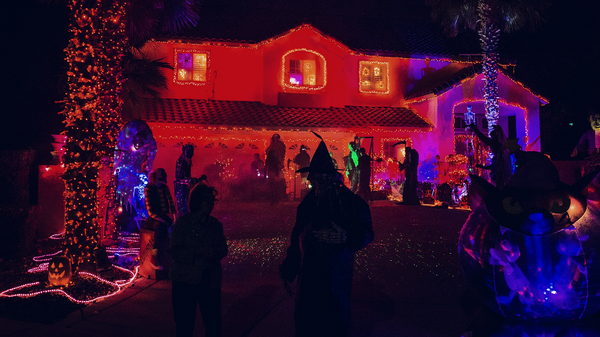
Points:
[489,35]
[92,116]
[113,40]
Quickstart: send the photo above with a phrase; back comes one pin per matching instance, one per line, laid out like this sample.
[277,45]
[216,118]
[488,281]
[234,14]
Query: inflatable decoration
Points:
[134,155]
[530,250]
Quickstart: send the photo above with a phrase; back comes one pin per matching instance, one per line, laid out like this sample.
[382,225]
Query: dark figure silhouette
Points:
[277,150]
[161,211]
[198,246]
[364,169]
[331,224]
[183,178]
[272,172]
[302,159]
[501,167]
[410,167]
[257,166]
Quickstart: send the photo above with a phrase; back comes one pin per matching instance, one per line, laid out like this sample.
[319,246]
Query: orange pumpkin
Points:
[59,271]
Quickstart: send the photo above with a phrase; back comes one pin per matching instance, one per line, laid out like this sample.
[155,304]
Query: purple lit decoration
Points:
[134,156]
[296,79]
[470,119]
[530,250]
[184,61]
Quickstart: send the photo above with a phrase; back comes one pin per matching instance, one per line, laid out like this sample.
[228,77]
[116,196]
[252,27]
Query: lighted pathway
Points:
[406,282]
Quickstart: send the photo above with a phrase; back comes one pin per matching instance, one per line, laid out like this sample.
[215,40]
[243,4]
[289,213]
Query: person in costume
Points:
[198,245]
[332,223]
[161,212]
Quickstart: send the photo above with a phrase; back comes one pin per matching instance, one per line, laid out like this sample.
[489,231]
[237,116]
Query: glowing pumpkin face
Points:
[59,271]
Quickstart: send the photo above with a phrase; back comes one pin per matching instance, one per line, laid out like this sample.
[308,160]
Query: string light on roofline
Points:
[344,48]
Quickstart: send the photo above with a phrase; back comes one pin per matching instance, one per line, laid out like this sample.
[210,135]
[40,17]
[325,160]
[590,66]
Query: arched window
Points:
[304,69]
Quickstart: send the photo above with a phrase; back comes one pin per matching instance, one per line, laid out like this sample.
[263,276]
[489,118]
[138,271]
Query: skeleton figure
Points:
[134,156]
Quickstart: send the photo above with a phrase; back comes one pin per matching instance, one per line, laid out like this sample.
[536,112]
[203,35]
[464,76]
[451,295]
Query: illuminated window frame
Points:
[386,91]
[177,51]
[284,72]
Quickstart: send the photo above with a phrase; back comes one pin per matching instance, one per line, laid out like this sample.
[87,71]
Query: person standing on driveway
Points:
[198,245]
[332,223]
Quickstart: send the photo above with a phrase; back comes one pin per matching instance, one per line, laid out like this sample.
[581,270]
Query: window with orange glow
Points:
[303,72]
[304,69]
[373,77]
[191,67]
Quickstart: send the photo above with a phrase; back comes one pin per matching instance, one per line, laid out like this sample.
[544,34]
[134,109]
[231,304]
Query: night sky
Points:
[559,60]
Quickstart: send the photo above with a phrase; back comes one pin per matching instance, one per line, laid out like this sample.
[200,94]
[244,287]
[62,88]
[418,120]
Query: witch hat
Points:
[321,161]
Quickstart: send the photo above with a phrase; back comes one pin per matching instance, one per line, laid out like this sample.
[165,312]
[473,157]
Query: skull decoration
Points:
[59,271]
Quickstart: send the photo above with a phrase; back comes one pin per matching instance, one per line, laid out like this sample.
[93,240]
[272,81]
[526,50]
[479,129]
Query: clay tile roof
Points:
[443,79]
[257,114]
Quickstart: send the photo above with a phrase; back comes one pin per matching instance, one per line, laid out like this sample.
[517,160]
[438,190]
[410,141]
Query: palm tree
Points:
[489,18]
[144,78]
[101,31]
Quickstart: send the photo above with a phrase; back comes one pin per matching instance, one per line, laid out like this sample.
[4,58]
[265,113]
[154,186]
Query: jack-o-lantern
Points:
[59,271]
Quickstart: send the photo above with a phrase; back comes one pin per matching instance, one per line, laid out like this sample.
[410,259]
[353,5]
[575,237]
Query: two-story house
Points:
[229,97]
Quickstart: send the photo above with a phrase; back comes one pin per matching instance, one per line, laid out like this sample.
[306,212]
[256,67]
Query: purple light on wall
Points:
[184,61]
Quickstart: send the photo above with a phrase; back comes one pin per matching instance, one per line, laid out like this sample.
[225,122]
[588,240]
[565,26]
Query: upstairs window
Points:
[303,69]
[191,67]
[303,72]
[373,77]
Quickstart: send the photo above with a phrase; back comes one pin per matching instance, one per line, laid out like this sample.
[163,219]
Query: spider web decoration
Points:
[223,146]
[333,147]
[293,147]
[209,146]
[252,146]
[240,146]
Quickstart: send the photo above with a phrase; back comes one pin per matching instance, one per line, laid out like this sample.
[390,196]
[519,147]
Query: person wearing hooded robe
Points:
[332,223]
[410,167]
[364,169]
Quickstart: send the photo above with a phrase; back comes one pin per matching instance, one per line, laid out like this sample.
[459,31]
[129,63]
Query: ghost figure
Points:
[506,254]
[537,238]
[134,156]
